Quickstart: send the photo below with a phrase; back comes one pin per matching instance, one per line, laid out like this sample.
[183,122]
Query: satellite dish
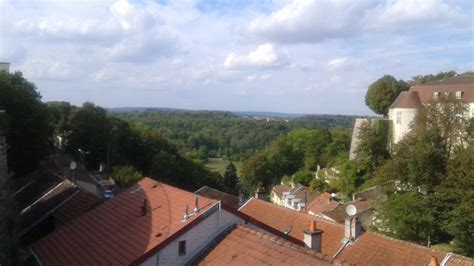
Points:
[351,210]
[333,195]
[73,165]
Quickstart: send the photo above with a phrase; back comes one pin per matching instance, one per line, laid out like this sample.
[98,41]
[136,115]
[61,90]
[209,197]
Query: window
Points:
[459,94]
[182,248]
[399,117]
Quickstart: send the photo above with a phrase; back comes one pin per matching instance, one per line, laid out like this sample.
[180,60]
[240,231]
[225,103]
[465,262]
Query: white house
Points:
[405,107]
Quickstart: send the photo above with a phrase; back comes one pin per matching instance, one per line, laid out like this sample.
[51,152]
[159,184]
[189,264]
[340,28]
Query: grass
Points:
[219,165]
[444,247]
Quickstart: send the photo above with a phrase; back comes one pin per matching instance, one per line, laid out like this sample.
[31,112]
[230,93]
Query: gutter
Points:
[446,258]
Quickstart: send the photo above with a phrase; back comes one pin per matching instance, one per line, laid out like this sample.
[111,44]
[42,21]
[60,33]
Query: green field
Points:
[219,165]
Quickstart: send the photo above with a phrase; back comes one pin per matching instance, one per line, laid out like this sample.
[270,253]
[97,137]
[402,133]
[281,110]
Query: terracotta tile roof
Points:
[322,203]
[407,99]
[368,249]
[225,198]
[375,249]
[245,246]
[283,219]
[338,214]
[116,233]
[279,189]
[79,204]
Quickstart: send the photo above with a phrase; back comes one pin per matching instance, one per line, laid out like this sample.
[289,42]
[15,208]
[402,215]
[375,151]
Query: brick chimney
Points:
[313,237]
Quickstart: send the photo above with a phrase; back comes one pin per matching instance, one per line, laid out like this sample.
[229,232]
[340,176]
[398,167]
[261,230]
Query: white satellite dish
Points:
[73,165]
[351,210]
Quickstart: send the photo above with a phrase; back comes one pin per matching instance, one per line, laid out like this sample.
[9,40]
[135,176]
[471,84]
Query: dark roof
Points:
[62,162]
[39,193]
[407,99]
[79,204]
[368,249]
[225,198]
[338,214]
[116,233]
[245,246]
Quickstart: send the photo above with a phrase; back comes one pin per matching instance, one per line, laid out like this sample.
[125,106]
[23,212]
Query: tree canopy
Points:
[28,125]
[383,92]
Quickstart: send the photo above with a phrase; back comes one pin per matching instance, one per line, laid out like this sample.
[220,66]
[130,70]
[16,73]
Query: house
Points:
[348,243]
[403,110]
[225,198]
[365,212]
[150,223]
[295,198]
[323,202]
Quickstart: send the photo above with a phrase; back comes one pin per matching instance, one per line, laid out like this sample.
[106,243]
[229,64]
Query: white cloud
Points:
[265,56]
[341,63]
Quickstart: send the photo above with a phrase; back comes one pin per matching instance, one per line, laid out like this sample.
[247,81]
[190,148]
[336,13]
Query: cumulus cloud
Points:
[315,21]
[341,63]
[265,56]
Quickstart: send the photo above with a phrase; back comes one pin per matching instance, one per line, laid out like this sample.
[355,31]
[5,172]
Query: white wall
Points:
[196,238]
[401,129]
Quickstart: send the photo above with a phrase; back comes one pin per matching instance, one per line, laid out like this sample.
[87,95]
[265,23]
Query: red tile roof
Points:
[225,198]
[116,233]
[79,204]
[283,219]
[279,189]
[322,203]
[245,246]
[367,249]
[407,99]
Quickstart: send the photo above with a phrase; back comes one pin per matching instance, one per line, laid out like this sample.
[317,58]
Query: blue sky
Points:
[284,56]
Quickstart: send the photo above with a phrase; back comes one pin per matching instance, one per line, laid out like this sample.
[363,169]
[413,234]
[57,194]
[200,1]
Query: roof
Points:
[245,246]
[368,249]
[39,193]
[62,162]
[322,203]
[79,204]
[284,219]
[338,214]
[115,232]
[225,198]
[279,189]
[407,99]
[423,93]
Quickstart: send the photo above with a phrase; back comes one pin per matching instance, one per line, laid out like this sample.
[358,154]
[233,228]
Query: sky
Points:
[298,56]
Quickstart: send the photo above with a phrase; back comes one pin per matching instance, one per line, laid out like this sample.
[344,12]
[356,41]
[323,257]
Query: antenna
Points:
[351,210]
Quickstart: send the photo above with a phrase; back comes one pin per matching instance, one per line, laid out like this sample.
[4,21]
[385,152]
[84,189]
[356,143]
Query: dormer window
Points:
[459,94]
[435,94]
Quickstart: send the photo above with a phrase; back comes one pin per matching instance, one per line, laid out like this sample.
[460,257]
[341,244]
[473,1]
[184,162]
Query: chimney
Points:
[186,215]
[433,261]
[196,206]
[260,193]
[347,229]
[144,208]
[313,237]
[241,197]
[356,227]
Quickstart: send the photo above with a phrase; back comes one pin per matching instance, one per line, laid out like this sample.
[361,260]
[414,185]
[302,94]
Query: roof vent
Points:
[186,215]
[196,205]
[144,208]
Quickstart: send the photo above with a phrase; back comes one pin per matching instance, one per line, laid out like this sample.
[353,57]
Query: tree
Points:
[420,79]
[231,181]
[125,176]
[371,149]
[383,92]
[58,113]
[303,177]
[27,120]
[90,133]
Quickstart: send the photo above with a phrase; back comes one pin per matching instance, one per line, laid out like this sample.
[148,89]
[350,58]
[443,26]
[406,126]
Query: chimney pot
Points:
[433,261]
[186,215]
[196,206]
[313,237]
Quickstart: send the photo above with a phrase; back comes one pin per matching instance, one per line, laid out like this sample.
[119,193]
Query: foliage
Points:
[58,113]
[125,176]
[420,79]
[231,181]
[28,125]
[303,177]
[225,134]
[383,92]
[372,149]
[318,184]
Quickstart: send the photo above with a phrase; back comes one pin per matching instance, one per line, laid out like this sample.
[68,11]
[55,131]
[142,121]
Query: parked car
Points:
[108,194]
